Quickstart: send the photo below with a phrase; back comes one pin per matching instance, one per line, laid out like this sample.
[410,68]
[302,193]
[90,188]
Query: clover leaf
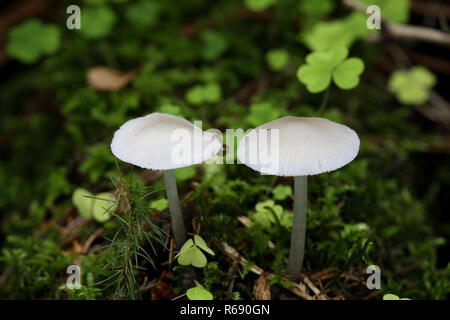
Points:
[391,296]
[262,112]
[323,66]
[281,192]
[267,213]
[32,40]
[412,86]
[160,204]
[277,59]
[185,173]
[259,5]
[98,207]
[97,22]
[326,35]
[209,93]
[199,293]
[170,109]
[190,253]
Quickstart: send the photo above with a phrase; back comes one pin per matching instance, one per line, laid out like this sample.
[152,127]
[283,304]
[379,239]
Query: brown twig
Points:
[408,32]
[91,239]
[296,288]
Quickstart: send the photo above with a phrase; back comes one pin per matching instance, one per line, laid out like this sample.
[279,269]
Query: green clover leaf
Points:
[186,173]
[322,66]
[268,213]
[346,75]
[391,296]
[209,93]
[91,206]
[277,59]
[82,203]
[326,35]
[190,253]
[160,204]
[192,256]
[97,22]
[32,39]
[281,192]
[412,86]
[170,109]
[261,113]
[199,242]
[199,293]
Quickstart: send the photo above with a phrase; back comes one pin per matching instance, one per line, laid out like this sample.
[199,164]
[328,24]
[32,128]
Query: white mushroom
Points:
[165,142]
[298,147]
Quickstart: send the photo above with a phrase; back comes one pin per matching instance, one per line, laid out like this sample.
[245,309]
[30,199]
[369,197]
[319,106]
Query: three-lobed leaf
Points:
[323,66]
[90,206]
[199,293]
[32,39]
[412,86]
[190,253]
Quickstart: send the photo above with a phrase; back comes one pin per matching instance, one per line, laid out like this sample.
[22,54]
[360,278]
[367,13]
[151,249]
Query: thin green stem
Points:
[179,231]
[298,232]
[324,101]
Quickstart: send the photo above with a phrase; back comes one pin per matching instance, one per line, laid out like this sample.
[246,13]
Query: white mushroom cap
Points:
[162,141]
[306,146]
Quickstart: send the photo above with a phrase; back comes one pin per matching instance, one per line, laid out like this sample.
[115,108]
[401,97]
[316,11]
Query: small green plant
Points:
[209,93]
[31,40]
[281,192]
[98,207]
[323,66]
[277,59]
[136,229]
[190,253]
[97,21]
[262,112]
[268,213]
[199,293]
[326,35]
[391,296]
[412,86]
[160,205]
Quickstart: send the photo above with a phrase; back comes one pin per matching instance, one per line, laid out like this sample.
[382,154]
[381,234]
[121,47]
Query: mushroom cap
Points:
[307,146]
[161,141]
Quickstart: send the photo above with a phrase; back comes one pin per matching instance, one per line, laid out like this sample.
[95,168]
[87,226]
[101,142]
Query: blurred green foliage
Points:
[218,63]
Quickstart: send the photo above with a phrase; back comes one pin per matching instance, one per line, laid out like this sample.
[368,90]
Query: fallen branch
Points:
[247,223]
[408,32]
[296,288]
[91,239]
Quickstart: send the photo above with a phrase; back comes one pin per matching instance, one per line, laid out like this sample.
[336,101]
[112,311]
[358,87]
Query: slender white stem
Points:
[179,231]
[298,232]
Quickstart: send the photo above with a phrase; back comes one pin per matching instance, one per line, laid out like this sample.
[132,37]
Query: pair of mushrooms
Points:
[305,146]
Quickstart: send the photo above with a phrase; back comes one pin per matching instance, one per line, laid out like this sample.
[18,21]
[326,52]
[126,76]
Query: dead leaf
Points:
[107,79]
[261,289]
[77,247]
[161,291]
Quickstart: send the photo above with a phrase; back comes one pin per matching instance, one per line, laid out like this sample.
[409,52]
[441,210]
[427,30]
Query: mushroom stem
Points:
[297,250]
[175,208]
